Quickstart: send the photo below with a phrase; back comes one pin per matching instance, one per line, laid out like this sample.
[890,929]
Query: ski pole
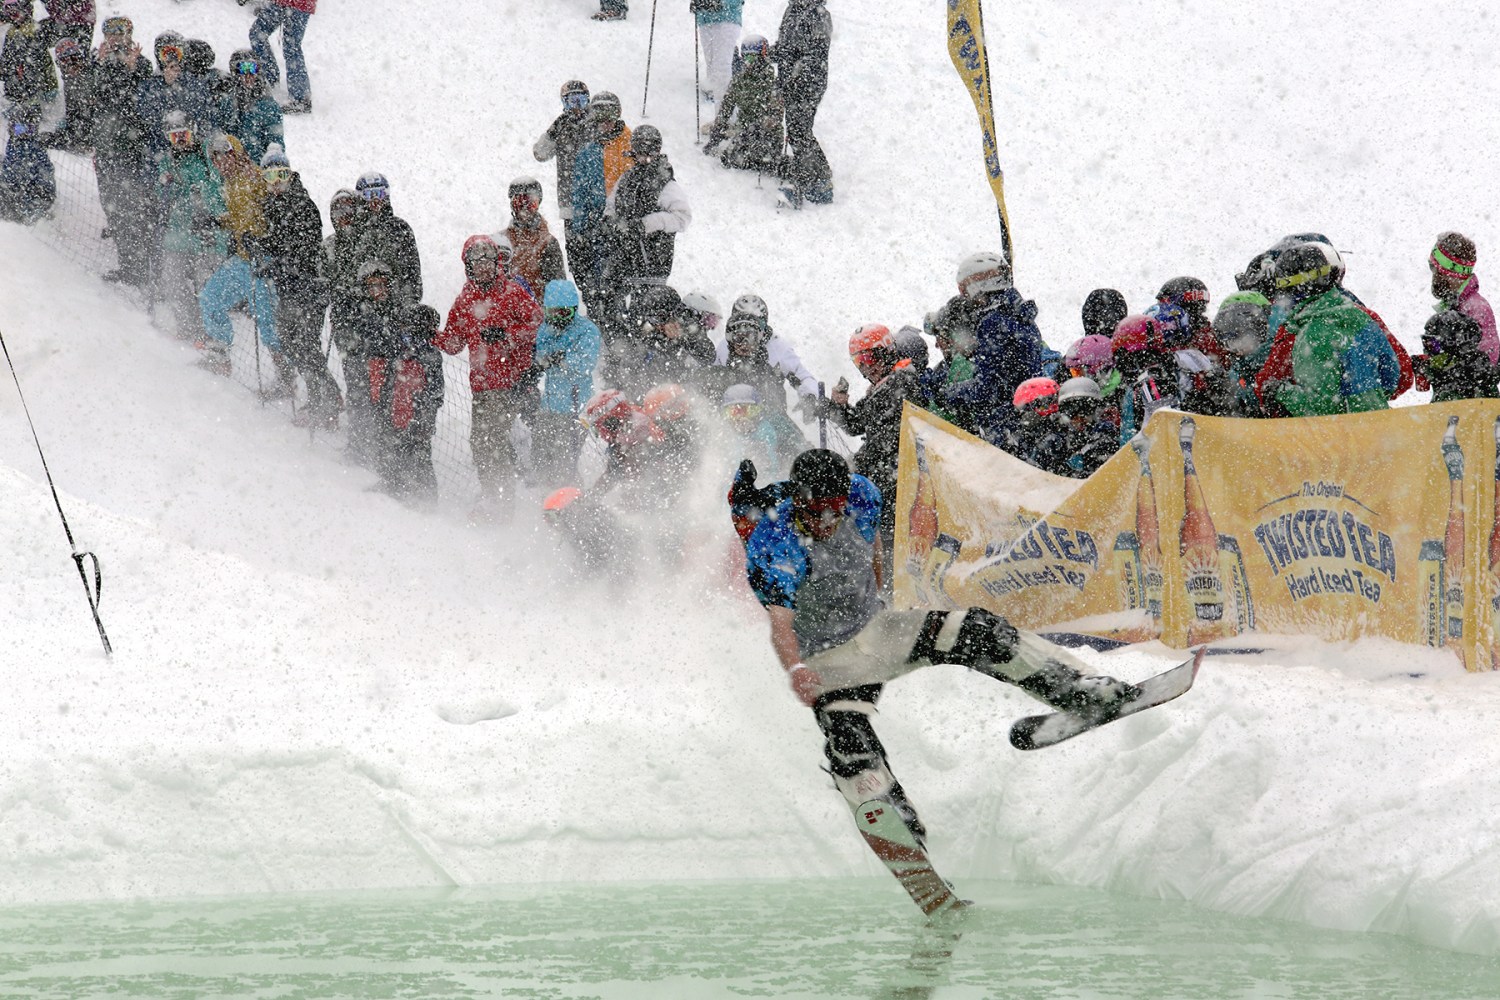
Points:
[697,87]
[650,45]
[822,419]
[95,590]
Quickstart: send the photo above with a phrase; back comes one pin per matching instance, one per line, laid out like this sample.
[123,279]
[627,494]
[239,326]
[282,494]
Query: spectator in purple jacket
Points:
[291,17]
[1455,286]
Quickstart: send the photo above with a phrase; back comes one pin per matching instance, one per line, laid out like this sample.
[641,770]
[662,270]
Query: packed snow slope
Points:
[317,688]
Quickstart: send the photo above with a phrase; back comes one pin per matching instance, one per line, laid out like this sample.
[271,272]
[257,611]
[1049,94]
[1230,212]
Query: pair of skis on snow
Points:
[888,836]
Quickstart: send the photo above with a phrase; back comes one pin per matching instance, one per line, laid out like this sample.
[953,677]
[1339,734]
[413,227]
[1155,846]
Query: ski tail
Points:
[892,841]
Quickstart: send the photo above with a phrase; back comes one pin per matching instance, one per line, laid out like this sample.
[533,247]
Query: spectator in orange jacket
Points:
[536,255]
[497,321]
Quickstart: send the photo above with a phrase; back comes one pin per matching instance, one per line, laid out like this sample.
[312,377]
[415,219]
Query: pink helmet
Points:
[1036,391]
[1136,333]
[1094,354]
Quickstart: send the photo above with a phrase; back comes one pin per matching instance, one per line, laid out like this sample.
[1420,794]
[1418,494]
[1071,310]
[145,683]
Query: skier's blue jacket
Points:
[776,557]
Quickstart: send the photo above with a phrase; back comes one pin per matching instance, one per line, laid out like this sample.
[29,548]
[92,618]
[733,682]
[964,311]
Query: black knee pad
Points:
[851,745]
[984,638]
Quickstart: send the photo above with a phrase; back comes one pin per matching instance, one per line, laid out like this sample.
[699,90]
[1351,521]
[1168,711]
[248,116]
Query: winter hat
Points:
[604,105]
[655,303]
[574,87]
[116,25]
[560,294]
[68,48]
[740,394]
[16,10]
[174,121]
[1102,311]
[526,185]
[754,45]
[221,143]
[1454,255]
[275,157]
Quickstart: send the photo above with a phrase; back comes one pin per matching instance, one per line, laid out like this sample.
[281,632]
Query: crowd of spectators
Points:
[576,329]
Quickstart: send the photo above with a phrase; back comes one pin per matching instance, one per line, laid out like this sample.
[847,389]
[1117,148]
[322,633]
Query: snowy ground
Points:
[316,688]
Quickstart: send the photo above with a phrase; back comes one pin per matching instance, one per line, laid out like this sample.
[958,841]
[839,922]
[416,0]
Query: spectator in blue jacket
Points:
[567,349]
[250,115]
[1008,348]
[27,185]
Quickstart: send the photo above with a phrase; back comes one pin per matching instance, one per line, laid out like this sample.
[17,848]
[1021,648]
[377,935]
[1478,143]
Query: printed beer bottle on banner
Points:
[1199,547]
[1148,536]
[1453,537]
[1495,562]
[922,521]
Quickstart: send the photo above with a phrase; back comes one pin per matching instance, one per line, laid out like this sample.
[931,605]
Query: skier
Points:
[193,243]
[1090,437]
[1454,364]
[75,133]
[28,186]
[1455,287]
[801,56]
[293,245]
[876,417]
[406,383]
[249,114]
[536,256]
[1240,327]
[172,89]
[1008,348]
[496,322]
[567,349]
[659,348]
[291,17]
[817,568]
[751,353]
[718,24]
[597,169]
[380,234]
[1340,362]
[121,164]
[648,210]
[240,278]
[25,62]
[569,132]
[748,125]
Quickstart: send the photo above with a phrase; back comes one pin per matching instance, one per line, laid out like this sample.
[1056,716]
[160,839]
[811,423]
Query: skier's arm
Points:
[675,214]
[804,680]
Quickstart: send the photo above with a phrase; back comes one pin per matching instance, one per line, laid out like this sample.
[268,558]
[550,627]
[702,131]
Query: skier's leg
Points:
[856,758]
[987,643]
[293,27]
[267,20]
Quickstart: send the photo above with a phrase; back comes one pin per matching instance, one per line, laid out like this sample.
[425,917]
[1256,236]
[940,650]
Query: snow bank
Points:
[315,688]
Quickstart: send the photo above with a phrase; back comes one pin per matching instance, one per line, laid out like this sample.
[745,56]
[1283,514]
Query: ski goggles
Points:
[277,175]
[246,67]
[1083,407]
[822,506]
[19,129]
[576,102]
[172,52]
[742,411]
[561,316]
[375,193]
[180,136]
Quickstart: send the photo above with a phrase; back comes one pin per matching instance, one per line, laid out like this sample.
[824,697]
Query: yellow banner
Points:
[1376,524]
[967,49]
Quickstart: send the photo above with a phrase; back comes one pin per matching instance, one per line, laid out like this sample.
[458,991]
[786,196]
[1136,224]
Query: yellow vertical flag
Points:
[966,47]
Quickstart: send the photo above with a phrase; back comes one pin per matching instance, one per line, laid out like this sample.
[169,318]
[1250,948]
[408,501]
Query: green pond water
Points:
[825,938]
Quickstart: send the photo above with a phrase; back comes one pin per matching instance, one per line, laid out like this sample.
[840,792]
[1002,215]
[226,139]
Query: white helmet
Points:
[700,303]
[1079,388]
[983,272]
[750,304]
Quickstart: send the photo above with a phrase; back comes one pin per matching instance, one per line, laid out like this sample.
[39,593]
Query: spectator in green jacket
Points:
[748,125]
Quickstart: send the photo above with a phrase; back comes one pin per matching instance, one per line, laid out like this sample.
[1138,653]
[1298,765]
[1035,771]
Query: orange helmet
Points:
[870,344]
[667,403]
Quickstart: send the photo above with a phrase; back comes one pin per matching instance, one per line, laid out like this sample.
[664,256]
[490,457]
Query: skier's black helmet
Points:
[645,141]
[1304,270]
[1103,310]
[818,474]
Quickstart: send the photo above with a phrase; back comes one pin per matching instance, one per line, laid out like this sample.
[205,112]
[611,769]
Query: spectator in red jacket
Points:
[291,17]
[497,321]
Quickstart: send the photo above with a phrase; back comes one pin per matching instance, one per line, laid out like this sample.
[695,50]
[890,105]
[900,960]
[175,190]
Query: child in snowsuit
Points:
[1455,364]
